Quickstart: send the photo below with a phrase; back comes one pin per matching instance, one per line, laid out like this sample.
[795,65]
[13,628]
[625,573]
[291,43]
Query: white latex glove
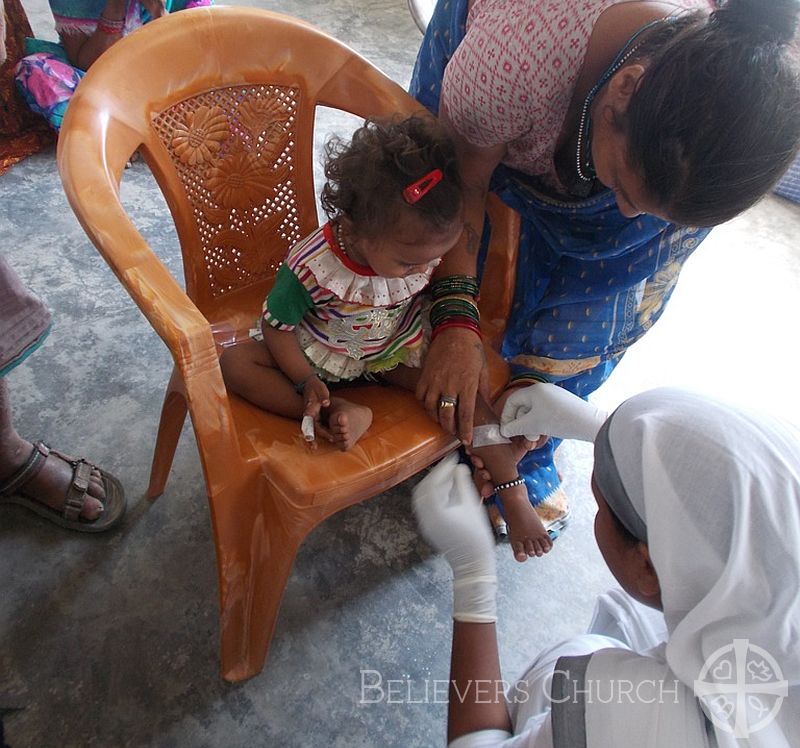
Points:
[549,410]
[451,518]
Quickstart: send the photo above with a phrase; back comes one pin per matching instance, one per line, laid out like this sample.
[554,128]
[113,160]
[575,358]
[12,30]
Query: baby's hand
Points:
[316,396]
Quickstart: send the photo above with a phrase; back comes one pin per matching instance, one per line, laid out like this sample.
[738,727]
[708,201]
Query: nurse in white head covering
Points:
[698,516]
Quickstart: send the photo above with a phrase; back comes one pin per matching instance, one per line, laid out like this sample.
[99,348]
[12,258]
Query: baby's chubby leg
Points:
[250,371]
[527,533]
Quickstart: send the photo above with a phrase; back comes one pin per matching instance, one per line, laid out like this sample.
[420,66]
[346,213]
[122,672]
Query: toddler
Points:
[346,302]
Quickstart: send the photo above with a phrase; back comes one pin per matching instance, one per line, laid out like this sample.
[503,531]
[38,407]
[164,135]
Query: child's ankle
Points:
[516,496]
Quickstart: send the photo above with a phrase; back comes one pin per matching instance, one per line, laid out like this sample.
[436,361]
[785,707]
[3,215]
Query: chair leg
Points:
[173,415]
[252,583]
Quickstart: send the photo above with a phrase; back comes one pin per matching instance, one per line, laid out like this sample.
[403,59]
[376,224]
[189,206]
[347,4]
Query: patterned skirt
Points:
[47,80]
[21,132]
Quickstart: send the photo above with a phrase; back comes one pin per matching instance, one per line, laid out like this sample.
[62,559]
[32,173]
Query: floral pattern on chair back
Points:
[233,149]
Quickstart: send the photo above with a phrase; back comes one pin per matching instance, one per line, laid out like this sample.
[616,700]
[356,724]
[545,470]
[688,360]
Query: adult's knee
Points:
[47,83]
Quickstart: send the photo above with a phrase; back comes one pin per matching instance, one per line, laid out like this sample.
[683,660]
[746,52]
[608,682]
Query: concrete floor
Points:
[112,641]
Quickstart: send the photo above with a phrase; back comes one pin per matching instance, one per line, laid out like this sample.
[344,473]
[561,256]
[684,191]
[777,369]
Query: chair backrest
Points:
[222,106]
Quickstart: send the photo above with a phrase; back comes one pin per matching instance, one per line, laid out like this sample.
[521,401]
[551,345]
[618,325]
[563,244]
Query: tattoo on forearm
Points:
[473,240]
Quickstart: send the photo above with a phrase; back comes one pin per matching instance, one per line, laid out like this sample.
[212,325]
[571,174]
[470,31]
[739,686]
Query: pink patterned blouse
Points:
[512,77]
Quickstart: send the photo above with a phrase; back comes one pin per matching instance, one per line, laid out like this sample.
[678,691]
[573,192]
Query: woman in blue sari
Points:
[49,73]
[615,129]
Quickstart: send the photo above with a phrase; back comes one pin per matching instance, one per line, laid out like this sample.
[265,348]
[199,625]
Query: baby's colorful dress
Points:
[349,321]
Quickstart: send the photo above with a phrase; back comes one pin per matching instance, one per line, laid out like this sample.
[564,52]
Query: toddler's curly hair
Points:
[367,175]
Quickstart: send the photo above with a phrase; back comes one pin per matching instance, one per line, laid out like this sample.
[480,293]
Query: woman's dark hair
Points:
[367,176]
[715,119]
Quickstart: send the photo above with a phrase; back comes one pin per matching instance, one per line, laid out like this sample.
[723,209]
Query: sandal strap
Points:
[28,471]
[71,460]
[79,488]
[76,494]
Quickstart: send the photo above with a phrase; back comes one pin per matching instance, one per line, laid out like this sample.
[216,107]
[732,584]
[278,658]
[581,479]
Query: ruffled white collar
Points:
[359,284]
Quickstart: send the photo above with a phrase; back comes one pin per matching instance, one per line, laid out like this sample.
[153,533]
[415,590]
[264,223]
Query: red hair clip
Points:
[417,190]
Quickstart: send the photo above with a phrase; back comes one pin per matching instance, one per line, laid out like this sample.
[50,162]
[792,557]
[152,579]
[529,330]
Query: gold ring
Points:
[447,402]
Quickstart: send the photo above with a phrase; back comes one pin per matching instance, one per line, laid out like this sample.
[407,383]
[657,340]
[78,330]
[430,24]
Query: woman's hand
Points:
[454,368]
[452,520]
[550,409]
[455,365]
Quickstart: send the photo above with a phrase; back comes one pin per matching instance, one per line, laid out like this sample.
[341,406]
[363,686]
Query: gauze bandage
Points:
[488,436]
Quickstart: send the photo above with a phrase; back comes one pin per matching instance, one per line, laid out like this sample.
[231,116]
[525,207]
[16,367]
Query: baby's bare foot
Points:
[527,534]
[347,422]
[518,448]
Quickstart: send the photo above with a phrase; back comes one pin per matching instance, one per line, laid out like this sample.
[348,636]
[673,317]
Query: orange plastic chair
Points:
[221,103]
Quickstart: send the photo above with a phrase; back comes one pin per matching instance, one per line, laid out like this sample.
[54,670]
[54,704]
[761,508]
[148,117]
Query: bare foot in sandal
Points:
[66,491]
[347,422]
[49,486]
[69,491]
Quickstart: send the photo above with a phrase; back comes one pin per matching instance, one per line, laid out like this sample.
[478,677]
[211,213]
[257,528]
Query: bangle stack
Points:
[526,378]
[110,27]
[455,284]
[455,304]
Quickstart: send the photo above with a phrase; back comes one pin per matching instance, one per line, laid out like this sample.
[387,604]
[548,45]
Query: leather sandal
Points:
[70,516]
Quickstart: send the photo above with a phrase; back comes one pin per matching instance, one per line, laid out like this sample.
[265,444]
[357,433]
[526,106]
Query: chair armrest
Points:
[91,181]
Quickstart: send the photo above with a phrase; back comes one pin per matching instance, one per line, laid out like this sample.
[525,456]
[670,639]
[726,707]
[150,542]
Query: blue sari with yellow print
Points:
[590,282]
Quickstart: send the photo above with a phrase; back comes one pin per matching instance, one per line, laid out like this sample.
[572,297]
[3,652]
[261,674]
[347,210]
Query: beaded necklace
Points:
[340,241]
[583,161]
